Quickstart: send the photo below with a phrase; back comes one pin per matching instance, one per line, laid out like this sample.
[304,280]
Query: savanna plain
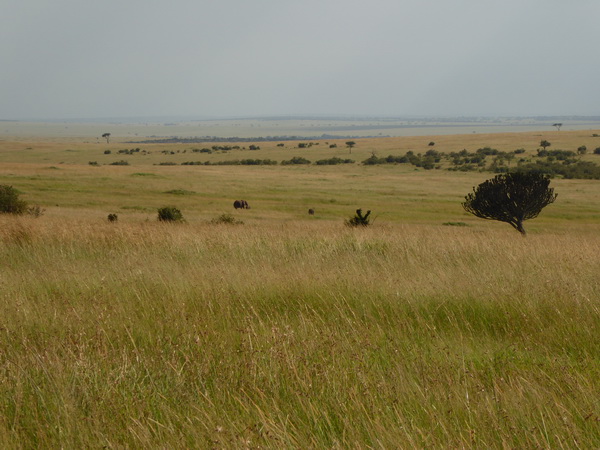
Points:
[429,328]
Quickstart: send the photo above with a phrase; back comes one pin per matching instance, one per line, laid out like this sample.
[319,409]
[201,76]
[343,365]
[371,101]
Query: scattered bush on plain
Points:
[10,203]
[359,219]
[169,214]
[226,219]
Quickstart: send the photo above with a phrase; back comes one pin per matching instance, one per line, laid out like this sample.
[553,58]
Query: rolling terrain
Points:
[430,328]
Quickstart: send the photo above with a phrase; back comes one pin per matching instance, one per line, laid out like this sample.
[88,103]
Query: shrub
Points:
[597,151]
[169,214]
[120,163]
[10,202]
[226,219]
[487,151]
[296,160]
[359,219]
[93,163]
[113,217]
[582,170]
[333,161]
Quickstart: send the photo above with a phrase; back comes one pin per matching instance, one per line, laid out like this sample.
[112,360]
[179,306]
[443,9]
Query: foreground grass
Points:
[296,335]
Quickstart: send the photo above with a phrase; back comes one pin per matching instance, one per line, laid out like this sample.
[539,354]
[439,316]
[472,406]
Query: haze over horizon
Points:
[69,59]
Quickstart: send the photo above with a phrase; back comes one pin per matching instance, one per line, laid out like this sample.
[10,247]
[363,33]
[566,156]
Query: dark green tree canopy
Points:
[10,201]
[511,198]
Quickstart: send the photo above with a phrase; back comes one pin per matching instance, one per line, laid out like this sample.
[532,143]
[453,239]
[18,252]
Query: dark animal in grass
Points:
[241,204]
[311,212]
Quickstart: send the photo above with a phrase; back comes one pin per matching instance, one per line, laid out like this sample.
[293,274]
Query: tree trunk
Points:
[520,229]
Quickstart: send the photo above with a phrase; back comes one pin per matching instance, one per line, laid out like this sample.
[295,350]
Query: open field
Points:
[293,331]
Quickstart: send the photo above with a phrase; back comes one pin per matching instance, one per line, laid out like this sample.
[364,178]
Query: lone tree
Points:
[106,136]
[350,144]
[511,198]
[544,143]
[557,125]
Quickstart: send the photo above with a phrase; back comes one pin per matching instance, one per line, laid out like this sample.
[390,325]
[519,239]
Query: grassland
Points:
[293,331]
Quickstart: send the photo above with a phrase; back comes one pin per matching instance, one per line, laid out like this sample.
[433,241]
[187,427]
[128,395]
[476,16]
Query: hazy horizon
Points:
[71,60]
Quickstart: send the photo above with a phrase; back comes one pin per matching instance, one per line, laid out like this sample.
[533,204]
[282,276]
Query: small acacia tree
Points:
[545,144]
[511,198]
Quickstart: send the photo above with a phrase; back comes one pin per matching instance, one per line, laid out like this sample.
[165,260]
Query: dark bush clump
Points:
[226,219]
[113,217]
[359,219]
[296,160]
[333,161]
[169,214]
[10,202]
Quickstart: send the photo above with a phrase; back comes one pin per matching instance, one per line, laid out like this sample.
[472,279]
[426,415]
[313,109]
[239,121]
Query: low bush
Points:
[333,161]
[226,219]
[359,219]
[295,160]
[582,170]
[169,214]
[10,203]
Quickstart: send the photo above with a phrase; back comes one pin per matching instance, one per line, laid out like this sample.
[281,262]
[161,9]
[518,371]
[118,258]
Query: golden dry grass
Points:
[292,331]
[296,335]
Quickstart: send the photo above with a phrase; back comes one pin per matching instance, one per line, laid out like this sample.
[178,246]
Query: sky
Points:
[82,59]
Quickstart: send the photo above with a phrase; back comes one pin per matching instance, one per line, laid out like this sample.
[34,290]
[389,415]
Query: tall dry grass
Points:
[297,334]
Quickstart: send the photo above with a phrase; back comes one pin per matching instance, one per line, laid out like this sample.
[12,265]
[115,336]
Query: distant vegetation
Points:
[564,163]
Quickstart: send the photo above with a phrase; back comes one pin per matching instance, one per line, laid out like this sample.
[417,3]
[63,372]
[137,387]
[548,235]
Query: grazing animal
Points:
[311,212]
[241,204]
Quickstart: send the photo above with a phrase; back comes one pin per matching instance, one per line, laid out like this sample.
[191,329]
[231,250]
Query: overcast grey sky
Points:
[122,58]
